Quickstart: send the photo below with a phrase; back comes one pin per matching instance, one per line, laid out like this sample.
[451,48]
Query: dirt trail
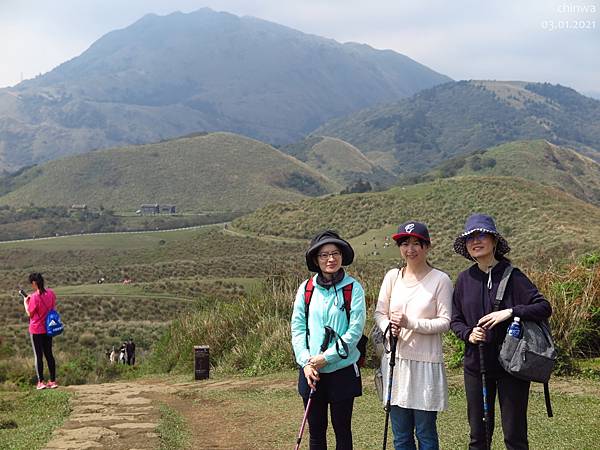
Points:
[125,415]
[111,416]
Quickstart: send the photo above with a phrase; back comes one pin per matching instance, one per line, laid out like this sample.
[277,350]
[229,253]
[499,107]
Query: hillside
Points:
[214,172]
[418,133]
[338,160]
[540,223]
[167,76]
[538,161]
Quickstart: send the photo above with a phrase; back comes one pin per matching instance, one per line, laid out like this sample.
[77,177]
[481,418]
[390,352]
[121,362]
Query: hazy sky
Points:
[532,40]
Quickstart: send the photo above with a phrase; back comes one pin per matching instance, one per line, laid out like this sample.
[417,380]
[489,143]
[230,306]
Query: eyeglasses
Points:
[479,235]
[326,256]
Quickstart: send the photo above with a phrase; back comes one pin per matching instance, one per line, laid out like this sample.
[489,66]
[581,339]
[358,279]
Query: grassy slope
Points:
[145,257]
[35,414]
[219,171]
[338,160]
[421,132]
[171,271]
[539,222]
[537,160]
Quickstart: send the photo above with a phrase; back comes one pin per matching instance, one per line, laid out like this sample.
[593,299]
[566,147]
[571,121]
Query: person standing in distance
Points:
[334,373]
[37,305]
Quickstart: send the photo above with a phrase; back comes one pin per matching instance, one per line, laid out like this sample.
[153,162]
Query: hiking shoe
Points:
[51,385]
[40,385]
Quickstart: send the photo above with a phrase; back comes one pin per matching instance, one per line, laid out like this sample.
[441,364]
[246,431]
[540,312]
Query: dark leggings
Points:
[42,346]
[341,419]
[513,396]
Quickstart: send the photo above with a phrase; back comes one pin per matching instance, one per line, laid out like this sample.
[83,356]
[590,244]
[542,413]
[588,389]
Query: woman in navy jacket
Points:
[474,322]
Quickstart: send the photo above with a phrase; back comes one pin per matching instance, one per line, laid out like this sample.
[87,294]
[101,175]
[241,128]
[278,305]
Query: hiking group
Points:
[125,354]
[416,305]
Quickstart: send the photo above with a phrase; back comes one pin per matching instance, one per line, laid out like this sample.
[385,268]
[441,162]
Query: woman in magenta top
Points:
[37,305]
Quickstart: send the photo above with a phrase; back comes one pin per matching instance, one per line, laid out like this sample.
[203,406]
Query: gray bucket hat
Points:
[328,237]
[483,224]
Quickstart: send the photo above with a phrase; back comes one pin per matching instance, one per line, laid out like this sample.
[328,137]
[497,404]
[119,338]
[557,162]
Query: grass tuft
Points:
[172,429]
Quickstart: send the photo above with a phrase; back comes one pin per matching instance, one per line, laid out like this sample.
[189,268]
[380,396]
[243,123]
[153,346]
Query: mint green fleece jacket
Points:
[327,309]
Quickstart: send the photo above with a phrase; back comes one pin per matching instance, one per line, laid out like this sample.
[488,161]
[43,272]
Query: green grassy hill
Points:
[211,253]
[538,161]
[540,222]
[218,171]
[339,161]
[416,134]
[170,272]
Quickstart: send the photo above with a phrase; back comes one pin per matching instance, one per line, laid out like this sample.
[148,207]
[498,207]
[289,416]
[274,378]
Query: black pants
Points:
[42,346]
[341,419]
[336,392]
[513,396]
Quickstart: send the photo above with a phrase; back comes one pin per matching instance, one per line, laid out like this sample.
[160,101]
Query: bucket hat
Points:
[412,228]
[484,224]
[328,237]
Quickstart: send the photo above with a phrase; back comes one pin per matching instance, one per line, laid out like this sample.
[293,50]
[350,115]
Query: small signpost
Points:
[201,362]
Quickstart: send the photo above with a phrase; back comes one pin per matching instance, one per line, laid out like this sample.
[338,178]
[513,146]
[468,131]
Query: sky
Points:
[556,41]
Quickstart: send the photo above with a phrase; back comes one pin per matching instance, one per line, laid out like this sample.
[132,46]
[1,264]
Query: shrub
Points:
[87,340]
[250,334]
[76,370]
[574,293]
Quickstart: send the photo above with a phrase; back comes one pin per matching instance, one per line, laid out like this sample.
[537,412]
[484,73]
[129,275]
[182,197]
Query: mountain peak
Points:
[182,73]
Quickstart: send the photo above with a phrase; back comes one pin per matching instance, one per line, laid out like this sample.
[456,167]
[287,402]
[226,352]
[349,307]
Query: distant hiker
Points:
[130,350]
[122,353]
[37,305]
[113,355]
[415,301]
[320,319]
[474,322]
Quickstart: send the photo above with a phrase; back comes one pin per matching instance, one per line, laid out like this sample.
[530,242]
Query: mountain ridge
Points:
[167,76]
[416,134]
[539,161]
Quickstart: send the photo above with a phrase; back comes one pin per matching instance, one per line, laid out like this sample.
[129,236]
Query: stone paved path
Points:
[111,416]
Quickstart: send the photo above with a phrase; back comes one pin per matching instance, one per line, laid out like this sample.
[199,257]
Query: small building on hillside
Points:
[149,209]
[167,209]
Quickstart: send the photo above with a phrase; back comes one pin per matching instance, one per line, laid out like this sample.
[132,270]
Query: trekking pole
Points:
[486,406]
[301,432]
[388,402]
[313,391]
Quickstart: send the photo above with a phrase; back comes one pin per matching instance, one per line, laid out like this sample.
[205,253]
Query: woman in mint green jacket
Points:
[325,342]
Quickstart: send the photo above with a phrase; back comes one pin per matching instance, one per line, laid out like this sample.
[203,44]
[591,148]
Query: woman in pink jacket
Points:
[37,305]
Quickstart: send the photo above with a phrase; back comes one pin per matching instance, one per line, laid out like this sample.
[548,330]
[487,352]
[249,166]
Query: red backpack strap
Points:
[309,288]
[347,291]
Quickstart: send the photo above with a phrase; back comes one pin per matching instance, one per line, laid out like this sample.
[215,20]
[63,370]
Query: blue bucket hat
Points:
[483,224]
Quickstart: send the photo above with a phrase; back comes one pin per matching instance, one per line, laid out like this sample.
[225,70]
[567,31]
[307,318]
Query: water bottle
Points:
[515,328]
